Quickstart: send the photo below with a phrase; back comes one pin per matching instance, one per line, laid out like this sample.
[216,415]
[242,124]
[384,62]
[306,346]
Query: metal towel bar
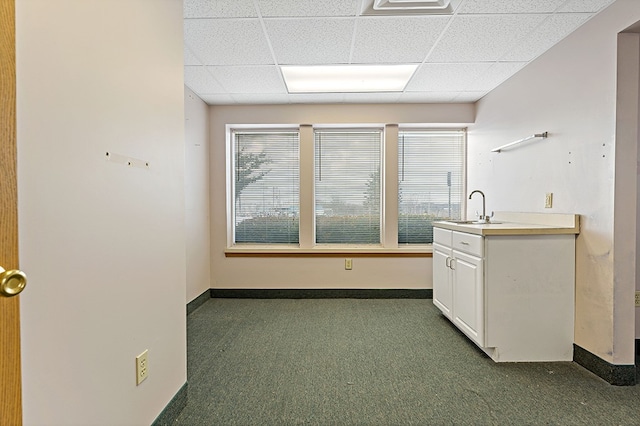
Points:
[537,135]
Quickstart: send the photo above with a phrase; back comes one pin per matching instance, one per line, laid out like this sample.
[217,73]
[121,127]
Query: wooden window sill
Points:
[329,251]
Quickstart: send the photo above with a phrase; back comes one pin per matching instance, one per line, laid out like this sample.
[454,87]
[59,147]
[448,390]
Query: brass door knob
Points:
[12,282]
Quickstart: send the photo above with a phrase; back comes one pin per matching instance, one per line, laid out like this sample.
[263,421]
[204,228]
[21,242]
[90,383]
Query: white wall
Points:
[103,243]
[197,195]
[570,91]
[313,272]
[626,182]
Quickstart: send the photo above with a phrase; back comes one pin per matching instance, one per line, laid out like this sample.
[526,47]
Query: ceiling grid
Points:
[234,48]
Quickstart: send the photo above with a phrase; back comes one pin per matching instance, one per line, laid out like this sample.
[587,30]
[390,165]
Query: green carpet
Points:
[373,362]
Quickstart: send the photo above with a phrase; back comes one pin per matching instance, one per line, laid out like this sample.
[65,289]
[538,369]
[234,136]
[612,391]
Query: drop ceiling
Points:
[463,48]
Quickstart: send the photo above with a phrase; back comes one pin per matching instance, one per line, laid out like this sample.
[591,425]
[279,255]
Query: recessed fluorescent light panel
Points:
[347,78]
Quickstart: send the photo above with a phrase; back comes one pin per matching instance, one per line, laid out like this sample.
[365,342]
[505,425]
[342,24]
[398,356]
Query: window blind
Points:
[347,186]
[266,182]
[430,177]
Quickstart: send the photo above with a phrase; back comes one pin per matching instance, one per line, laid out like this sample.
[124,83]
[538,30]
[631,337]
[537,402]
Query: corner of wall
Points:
[197,195]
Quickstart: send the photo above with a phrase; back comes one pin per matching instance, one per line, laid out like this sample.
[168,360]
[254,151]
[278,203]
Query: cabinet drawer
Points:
[442,236]
[468,243]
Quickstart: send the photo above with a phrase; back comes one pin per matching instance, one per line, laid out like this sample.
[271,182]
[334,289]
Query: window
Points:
[430,181]
[312,189]
[266,186]
[347,186]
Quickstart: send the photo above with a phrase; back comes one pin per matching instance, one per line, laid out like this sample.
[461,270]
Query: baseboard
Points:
[619,375]
[637,360]
[198,301]
[322,293]
[173,409]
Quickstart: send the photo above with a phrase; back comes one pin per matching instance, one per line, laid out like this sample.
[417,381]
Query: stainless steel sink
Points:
[462,222]
[471,222]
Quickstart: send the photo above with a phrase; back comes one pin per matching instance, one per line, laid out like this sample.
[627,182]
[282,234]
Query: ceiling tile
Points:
[427,97]
[227,42]
[219,9]
[260,98]
[585,5]
[311,41]
[249,79]
[220,99]
[445,77]
[494,75]
[281,8]
[367,98]
[510,6]
[396,39]
[198,79]
[481,38]
[323,98]
[190,58]
[552,30]
[469,96]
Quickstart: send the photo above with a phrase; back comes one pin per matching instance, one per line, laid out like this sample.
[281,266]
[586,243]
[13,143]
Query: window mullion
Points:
[390,187]
[307,222]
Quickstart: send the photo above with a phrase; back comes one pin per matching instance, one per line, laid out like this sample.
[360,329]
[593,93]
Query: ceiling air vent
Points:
[404,7]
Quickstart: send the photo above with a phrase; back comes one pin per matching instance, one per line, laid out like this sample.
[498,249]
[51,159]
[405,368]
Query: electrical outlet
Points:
[348,264]
[637,298]
[548,200]
[142,367]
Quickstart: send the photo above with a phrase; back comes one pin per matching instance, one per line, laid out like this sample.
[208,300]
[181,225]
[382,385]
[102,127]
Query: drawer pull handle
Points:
[447,262]
[464,243]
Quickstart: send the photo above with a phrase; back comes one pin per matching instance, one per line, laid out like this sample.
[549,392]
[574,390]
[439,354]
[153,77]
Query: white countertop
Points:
[512,223]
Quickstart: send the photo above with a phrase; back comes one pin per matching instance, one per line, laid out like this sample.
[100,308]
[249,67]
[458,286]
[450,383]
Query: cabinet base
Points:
[531,355]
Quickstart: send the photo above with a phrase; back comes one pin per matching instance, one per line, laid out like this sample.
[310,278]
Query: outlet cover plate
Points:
[142,367]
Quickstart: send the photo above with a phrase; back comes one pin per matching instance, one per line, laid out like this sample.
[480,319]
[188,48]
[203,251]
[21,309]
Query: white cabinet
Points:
[511,294]
[458,281]
[442,272]
[468,295]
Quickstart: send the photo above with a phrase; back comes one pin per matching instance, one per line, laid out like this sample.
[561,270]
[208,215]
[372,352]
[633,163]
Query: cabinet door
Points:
[468,295]
[442,280]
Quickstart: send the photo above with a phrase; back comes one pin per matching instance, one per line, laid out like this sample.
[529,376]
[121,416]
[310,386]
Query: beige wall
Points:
[103,243]
[570,91]
[197,195]
[316,272]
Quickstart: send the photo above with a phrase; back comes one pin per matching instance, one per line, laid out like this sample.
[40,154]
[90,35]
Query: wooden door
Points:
[10,385]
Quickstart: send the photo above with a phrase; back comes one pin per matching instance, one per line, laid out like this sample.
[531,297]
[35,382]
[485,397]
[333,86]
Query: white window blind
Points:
[347,186]
[266,183]
[430,176]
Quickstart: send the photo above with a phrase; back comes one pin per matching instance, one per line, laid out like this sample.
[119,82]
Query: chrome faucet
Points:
[484,217]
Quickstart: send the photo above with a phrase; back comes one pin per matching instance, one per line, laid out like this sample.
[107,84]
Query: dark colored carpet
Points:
[373,362]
